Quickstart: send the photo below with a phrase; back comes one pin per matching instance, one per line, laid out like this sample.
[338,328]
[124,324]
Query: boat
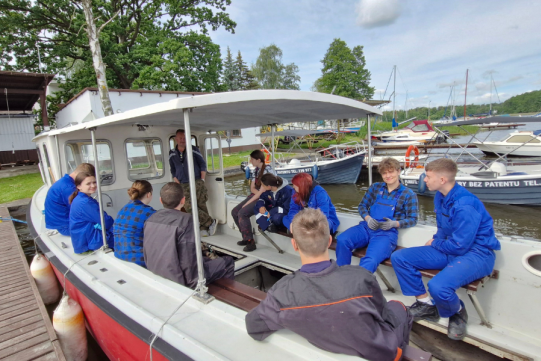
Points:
[522,143]
[136,315]
[336,164]
[418,131]
[499,181]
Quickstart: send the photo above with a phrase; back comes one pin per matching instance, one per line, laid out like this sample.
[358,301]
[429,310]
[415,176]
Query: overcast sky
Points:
[431,42]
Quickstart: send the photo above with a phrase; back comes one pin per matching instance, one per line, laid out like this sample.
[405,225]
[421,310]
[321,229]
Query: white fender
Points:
[45,279]
[69,324]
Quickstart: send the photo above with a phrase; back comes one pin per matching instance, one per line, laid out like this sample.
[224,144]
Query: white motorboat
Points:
[126,306]
[418,131]
[519,143]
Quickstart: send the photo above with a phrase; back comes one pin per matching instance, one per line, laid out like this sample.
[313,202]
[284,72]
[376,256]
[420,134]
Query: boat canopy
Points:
[489,120]
[237,110]
[419,126]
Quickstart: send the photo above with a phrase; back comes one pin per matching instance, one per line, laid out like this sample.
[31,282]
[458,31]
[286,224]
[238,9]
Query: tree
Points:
[231,73]
[271,73]
[151,44]
[247,79]
[344,69]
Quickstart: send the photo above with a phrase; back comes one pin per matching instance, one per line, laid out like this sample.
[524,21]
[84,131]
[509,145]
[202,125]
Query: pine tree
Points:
[247,79]
[231,74]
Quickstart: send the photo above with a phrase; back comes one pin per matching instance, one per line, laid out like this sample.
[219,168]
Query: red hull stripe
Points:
[108,320]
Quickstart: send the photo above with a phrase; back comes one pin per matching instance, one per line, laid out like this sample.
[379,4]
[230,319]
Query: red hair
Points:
[304,182]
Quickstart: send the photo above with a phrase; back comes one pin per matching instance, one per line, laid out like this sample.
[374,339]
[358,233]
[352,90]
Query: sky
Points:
[432,43]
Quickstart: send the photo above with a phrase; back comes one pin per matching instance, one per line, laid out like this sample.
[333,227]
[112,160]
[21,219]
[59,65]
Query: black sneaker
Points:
[242,243]
[424,311]
[457,325]
[250,246]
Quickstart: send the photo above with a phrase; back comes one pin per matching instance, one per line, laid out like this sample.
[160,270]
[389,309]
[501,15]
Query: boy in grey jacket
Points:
[169,243]
[338,309]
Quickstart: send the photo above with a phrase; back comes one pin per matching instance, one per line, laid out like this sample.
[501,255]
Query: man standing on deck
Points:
[338,309]
[385,207]
[462,248]
[179,170]
[57,204]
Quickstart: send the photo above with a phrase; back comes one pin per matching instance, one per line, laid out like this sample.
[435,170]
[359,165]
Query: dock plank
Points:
[26,332]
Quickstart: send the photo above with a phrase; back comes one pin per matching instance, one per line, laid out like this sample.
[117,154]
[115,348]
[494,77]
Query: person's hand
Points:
[388,224]
[176,180]
[372,223]
[429,243]
[262,210]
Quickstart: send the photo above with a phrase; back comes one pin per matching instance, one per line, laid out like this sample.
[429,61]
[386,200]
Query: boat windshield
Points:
[522,139]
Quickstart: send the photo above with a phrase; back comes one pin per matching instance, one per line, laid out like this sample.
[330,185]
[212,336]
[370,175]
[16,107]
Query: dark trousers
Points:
[221,267]
[241,216]
[401,321]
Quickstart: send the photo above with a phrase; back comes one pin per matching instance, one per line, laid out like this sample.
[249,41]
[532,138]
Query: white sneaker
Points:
[212,227]
[204,233]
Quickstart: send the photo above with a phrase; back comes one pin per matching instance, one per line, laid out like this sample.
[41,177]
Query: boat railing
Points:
[338,151]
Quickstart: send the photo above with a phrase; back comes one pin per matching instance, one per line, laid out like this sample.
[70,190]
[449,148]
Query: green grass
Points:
[235,158]
[19,187]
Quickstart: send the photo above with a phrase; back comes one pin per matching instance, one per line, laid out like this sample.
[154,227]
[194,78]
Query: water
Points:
[508,220]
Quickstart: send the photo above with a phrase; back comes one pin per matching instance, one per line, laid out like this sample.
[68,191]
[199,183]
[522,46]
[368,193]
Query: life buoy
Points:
[267,156]
[408,154]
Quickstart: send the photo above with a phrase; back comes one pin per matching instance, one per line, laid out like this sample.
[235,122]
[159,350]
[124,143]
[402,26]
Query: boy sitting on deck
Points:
[338,309]
[462,248]
[169,243]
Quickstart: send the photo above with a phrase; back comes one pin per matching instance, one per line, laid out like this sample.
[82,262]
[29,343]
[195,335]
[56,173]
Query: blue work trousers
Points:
[380,245]
[456,271]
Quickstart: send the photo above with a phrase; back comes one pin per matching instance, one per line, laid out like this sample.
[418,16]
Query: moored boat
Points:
[518,143]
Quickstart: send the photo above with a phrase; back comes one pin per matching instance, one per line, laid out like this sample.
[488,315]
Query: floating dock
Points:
[26,332]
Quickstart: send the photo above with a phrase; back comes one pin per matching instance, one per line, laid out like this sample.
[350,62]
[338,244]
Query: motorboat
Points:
[418,131]
[519,143]
[498,181]
[135,315]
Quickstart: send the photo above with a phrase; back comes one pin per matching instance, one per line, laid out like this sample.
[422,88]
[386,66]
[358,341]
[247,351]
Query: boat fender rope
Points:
[408,161]
[165,322]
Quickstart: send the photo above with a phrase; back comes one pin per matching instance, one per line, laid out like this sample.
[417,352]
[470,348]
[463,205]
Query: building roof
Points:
[23,89]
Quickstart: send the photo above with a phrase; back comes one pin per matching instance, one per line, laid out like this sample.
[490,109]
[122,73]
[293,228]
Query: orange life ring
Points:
[267,156]
[408,154]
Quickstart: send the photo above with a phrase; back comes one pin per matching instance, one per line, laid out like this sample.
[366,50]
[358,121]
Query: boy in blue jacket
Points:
[462,248]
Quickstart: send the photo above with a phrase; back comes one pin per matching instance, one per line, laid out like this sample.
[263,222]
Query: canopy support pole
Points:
[201,294]
[369,153]
[273,129]
[98,181]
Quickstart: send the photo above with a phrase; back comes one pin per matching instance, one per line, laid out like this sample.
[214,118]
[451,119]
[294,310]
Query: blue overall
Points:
[380,243]
[463,249]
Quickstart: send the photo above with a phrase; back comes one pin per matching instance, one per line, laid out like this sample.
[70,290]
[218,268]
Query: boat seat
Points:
[247,298]
[471,288]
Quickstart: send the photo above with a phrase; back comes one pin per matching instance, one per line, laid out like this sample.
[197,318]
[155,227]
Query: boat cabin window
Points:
[522,139]
[173,142]
[81,151]
[70,159]
[420,128]
[47,164]
[145,158]
[41,166]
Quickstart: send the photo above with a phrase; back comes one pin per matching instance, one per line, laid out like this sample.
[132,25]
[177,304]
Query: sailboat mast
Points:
[490,109]
[406,105]
[466,93]
[394,98]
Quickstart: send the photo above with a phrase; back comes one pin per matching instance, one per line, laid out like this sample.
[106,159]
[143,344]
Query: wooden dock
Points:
[26,332]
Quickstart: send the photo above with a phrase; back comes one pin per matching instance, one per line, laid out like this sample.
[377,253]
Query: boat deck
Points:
[26,332]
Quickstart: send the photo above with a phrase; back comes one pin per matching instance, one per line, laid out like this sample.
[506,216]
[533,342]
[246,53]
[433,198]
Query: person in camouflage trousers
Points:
[179,171]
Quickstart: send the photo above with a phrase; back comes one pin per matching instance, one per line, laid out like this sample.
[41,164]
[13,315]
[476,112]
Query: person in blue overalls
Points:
[273,205]
[85,222]
[57,204]
[462,248]
[386,206]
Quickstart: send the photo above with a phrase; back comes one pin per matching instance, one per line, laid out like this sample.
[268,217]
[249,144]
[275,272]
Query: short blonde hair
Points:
[310,230]
[443,166]
[388,164]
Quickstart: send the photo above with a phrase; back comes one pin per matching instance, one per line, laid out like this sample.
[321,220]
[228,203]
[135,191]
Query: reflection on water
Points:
[508,220]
